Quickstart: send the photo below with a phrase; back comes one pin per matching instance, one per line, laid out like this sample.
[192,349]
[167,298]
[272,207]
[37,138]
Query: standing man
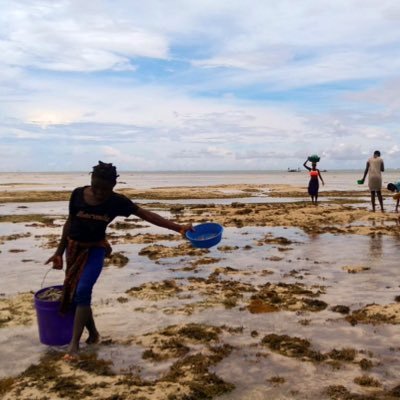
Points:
[374,169]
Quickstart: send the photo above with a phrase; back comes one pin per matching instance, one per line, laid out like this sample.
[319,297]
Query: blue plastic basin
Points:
[205,235]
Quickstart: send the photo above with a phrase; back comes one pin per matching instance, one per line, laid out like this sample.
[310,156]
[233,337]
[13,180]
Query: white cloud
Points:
[345,152]
[58,36]
[214,151]
[161,85]
[394,151]
[109,151]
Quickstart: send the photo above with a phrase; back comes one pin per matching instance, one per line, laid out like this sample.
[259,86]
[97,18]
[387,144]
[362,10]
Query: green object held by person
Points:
[314,158]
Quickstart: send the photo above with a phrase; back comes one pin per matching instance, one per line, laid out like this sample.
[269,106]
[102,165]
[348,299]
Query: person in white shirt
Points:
[374,169]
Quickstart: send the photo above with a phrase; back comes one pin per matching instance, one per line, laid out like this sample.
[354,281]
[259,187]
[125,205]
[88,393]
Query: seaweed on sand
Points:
[92,364]
[339,392]
[6,385]
[158,251]
[345,354]
[190,371]
[155,290]
[17,310]
[57,379]
[375,314]
[198,332]
[292,347]
[340,309]
[169,348]
[118,259]
[41,218]
[193,370]
[282,296]
[366,380]
[301,348]
[47,377]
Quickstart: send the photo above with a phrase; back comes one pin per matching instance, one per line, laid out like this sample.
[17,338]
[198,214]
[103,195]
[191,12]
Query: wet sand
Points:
[298,301]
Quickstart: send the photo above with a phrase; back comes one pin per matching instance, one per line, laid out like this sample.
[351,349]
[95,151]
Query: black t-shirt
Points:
[89,223]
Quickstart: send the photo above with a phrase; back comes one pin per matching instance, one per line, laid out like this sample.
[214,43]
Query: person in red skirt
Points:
[313,185]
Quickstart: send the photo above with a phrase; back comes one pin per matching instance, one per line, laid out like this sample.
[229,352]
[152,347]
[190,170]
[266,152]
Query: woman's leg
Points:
[373,200]
[313,187]
[380,199]
[82,315]
[316,190]
[83,297]
[94,335]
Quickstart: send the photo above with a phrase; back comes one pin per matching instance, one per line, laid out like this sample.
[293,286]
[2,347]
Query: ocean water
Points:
[334,180]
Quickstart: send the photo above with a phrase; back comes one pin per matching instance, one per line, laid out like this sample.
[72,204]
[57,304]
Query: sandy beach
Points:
[296,302]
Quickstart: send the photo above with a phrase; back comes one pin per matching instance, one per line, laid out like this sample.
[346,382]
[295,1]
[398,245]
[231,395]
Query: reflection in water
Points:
[375,248]
[314,260]
[313,249]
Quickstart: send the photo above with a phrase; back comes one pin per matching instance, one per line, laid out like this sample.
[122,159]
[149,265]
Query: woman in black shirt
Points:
[91,209]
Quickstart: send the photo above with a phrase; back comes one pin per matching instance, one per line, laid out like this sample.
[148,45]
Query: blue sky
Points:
[198,85]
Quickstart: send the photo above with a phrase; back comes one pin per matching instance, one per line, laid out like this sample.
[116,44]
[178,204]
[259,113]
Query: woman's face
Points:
[314,165]
[101,189]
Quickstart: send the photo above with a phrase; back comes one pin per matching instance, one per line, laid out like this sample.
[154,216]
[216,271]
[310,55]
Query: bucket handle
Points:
[45,276]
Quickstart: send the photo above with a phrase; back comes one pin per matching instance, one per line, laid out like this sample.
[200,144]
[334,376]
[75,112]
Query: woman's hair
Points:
[391,187]
[105,171]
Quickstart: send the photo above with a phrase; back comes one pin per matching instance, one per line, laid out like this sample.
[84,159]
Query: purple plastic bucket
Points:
[55,329]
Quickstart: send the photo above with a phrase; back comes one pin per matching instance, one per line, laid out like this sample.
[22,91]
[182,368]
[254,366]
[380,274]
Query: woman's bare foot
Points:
[69,358]
[72,354]
[93,338]
[73,349]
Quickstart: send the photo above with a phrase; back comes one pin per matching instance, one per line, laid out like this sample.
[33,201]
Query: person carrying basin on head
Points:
[374,169]
[315,175]
[91,210]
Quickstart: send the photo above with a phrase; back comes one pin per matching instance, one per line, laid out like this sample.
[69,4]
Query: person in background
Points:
[313,185]
[374,169]
[395,188]
[91,209]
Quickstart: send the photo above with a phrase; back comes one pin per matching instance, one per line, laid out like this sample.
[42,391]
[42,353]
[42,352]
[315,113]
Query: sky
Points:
[185,85]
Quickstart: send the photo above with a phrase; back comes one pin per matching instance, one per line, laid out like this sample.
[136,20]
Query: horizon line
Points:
[193,171]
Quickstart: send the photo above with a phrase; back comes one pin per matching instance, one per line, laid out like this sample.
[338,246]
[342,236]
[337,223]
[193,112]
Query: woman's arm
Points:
[306,166]
[320,177]
[366,171]
[158,220]
[64,237]
[382,166]
[56,258]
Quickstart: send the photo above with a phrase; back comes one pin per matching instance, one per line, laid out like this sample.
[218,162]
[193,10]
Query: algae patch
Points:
[17,310]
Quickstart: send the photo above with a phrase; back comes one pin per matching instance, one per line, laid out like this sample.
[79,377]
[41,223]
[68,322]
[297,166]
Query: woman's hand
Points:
[185,228]
[57,261]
